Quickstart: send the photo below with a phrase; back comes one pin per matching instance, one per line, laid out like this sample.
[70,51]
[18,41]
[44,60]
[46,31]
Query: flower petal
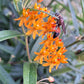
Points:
[29,32]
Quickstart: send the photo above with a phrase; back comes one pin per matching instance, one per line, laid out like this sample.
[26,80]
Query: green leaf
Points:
[64,70]
[7,34]
[17,52]
[82,20]
[27,3]
[16,71]
[82,4]
[5,77]
[21,41]
[3,19]
[80,56]
[29,73]
[20,4]
[0,5]
[7,49]
[70,54]
[78,78]
[35,46]
[18,81]
[17,4]
[32,42]
[74,18]
[63,6]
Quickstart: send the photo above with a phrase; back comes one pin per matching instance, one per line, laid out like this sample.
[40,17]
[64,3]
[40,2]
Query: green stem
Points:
[16,3]
[27,48]
[50,3]
[42,80]
[81,40]
[26,41]
[73,43]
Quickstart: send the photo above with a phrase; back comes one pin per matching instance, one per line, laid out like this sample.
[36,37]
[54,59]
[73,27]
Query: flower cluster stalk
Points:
[26,41]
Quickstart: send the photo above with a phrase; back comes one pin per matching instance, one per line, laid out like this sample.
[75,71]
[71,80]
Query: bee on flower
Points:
[53,48]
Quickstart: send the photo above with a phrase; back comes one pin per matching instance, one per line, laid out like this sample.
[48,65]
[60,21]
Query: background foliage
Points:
[12,45]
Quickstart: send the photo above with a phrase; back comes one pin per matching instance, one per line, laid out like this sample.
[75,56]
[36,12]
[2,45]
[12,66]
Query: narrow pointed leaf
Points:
[35,46]
[7,49]
[29,73]
[74,18]
[8,34]
[5,77]
[64,70]
[17,3]
[82,4]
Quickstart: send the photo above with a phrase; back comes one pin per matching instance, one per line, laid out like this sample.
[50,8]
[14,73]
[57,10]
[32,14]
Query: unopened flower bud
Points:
[51,79]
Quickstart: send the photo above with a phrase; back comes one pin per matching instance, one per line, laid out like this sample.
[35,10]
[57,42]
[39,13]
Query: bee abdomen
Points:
[55,34]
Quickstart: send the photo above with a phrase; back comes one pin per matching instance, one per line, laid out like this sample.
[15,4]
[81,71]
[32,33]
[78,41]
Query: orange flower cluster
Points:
[52,52]
[34,21]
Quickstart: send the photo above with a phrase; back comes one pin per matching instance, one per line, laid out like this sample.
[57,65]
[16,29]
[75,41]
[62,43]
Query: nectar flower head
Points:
[34,21]
[51,79]
[52,53]
[53,48]
[37,6]
[23,17]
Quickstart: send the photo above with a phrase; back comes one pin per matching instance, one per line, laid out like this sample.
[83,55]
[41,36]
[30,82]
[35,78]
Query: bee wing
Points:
[63,27]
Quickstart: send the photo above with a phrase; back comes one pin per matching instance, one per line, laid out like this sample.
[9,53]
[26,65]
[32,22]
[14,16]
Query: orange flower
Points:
[52,52]
[42,55]
[55,58]
[39,1]
[35,29]
[53,48]
[23,18]
[35,23]
[37,6]
[50,40]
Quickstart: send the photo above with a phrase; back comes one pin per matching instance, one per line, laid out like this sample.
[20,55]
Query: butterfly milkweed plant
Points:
[40,30]
[36,21]
[38,43]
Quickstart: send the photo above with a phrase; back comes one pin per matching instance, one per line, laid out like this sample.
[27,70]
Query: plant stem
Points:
[77,41]
[23,29]
[27,48]
[50,3]
[73,43]
[26,41]
[42,80]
